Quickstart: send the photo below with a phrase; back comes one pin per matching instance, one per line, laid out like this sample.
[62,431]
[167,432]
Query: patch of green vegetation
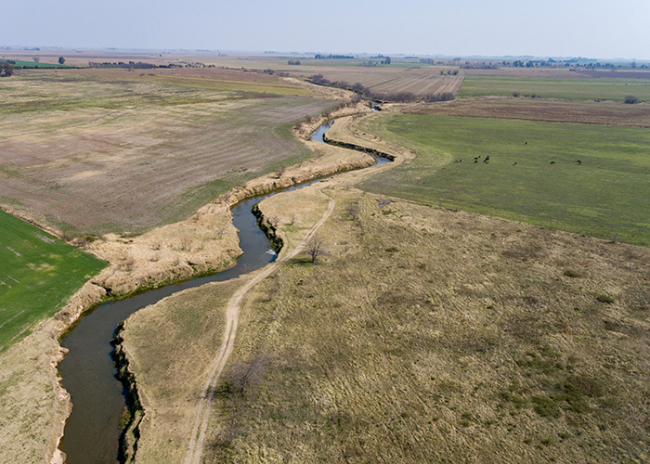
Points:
[574,177]
[38,275]
[569,89]
[33,65]
[572,273]
[605,299]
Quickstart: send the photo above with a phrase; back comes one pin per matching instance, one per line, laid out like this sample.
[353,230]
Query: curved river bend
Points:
[99,399]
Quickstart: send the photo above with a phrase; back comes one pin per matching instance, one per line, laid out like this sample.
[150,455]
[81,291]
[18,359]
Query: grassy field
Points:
[536,109]
[448,337]
[605,195]
[569,89]
[118,151]
[34,65]
[38,274]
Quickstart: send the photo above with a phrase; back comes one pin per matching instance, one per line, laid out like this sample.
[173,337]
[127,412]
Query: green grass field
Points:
[607,194]
[33,64]
[568,89]
[38,274]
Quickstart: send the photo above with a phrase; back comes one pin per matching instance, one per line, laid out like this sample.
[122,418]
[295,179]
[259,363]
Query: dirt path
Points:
[195,450]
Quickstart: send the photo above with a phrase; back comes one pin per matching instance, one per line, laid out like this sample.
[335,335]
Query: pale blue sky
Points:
[590,28]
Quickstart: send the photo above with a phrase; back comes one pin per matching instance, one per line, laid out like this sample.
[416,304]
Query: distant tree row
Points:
[121,64]
[401,97]
[320,56]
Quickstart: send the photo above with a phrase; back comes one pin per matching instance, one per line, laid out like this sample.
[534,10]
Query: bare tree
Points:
[315,248]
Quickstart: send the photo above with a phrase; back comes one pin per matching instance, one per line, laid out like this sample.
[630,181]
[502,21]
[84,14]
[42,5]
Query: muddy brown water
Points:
[92,432]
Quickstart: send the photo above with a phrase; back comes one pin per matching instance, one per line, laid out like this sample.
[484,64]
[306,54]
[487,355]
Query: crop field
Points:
[32,64]
[207,78]
[450,337]
[419,80]
[533,173]
[568,89]
[38,273]
[535,109]
[112,154]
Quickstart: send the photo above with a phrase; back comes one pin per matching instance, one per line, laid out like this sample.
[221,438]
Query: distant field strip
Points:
[537,109]
[422,84]
[37,276]
[569,89]
[533,173]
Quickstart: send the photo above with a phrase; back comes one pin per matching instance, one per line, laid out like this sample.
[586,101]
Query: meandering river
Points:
[99,399]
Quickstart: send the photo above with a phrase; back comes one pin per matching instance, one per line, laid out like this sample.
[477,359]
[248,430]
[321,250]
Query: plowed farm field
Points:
[110,154]
[420,81]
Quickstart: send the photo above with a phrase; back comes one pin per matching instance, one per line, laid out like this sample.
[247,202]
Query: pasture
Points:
[533,173]
[567,89]
[38,274]
[117,151]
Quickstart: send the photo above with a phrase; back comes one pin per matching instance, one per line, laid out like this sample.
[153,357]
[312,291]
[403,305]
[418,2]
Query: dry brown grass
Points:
[428,335]
[604,113]
[170,385]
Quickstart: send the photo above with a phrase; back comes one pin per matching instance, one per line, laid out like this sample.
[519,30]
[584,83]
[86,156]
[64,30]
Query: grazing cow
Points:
[525,143]
[579,162]
[475,160]
[552,162]
[514,164]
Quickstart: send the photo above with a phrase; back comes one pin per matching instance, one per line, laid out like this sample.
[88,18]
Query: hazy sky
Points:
[590,28]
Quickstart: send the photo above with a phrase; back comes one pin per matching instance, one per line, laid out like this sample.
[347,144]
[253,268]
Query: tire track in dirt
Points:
[193,455]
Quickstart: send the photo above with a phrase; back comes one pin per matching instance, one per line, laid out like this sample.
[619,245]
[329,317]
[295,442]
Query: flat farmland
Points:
[417,80]
[567,89]
[117,154]
[38,273]
[533,173]
[534,109]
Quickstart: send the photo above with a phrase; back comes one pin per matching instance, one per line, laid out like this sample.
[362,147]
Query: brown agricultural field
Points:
[418,80]
[113,154]
[604,113]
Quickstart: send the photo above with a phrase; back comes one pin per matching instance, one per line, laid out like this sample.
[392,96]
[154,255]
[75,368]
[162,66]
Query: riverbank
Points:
[135,262]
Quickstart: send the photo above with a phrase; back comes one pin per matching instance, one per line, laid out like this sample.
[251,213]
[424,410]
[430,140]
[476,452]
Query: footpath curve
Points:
[193,455]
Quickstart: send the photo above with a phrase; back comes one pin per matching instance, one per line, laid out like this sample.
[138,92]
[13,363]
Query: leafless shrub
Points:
[220,232]
[353,211]
[185,244]
[315,248]
[126,263]
[201,245]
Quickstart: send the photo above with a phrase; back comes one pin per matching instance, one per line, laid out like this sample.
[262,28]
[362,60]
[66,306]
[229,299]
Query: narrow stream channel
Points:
[92,432]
